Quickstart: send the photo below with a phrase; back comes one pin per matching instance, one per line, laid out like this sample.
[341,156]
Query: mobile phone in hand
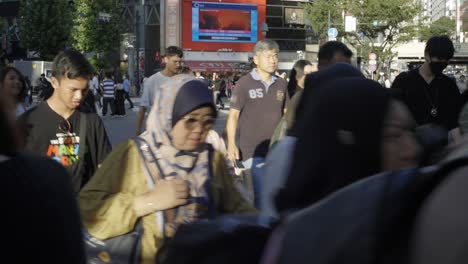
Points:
[239,164]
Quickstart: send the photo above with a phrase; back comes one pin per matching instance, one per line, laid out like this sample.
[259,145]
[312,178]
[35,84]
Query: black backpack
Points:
[230,239]
[368,222]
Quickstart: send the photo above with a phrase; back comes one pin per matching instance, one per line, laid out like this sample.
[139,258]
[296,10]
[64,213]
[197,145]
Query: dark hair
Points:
[8,140]
[185,70]
[296,72]
[3,73]
[440,47]
[71,64]
[329,49]
[174,51]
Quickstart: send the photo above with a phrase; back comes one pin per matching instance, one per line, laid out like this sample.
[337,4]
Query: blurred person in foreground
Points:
[42,213]
[354,130]
[334,63]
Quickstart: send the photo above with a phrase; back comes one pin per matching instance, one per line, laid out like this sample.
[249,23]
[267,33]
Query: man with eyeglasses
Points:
[173,64]
[57,129]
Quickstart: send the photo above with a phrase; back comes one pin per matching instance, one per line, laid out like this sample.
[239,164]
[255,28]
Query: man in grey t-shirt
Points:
[173,60]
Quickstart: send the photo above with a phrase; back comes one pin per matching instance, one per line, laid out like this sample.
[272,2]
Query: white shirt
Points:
[94,84]
[20,109]
[151,85]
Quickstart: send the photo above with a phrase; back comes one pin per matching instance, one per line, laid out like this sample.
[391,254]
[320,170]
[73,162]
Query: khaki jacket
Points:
[106,202]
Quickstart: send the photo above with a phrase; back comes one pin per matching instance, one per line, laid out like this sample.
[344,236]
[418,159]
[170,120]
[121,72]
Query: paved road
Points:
[120,129]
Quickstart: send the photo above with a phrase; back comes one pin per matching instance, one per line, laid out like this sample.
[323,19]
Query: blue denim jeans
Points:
[255,165]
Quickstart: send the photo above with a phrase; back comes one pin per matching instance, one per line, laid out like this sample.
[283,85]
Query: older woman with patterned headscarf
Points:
[191,179]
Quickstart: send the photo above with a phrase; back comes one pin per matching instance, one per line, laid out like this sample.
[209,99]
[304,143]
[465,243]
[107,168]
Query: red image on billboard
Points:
[220,20]
[213,25]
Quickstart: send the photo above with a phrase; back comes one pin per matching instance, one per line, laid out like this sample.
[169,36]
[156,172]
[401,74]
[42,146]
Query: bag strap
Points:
[82,135]
[150,169]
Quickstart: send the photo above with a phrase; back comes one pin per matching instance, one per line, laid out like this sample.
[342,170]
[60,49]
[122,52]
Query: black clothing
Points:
[313,82]
[111,103]
[46,89]
[47,134]
[441,94]
[119,102]
[42,221]
[339,141]
[127,97]
[88,104]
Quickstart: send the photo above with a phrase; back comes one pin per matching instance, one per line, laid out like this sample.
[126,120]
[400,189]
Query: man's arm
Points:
[141,116]
[145,103]
[231,129]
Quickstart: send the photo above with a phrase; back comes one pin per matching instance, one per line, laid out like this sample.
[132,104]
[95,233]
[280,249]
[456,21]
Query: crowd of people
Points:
[325,166]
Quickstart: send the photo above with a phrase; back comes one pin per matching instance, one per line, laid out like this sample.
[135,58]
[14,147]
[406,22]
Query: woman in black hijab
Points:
[353,130]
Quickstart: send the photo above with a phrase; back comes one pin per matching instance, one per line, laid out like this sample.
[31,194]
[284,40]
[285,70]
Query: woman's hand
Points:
[166,194]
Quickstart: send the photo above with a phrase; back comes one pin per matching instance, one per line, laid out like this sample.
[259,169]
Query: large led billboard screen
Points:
[224,22]
[228,26]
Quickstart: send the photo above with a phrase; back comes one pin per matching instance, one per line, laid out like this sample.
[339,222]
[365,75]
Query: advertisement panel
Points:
[172,23]
[214,26]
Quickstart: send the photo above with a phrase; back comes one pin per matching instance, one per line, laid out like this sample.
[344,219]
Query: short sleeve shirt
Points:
[151,85]
[45,137]
[421,98]
[261,107]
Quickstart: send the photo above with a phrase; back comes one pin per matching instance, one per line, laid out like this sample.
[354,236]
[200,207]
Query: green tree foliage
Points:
[322,12]
[45,26]
[91,34]
[442,26]
[390,22]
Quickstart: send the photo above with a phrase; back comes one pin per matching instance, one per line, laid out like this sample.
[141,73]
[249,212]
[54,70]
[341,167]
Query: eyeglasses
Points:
[191,122]
[65,126]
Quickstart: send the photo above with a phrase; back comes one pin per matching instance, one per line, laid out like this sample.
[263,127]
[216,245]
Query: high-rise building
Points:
[438,9]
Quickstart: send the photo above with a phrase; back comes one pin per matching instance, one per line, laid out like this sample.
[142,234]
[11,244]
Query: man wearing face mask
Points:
[432,96]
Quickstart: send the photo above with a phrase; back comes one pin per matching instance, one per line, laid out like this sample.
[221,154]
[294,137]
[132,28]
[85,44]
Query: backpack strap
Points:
[82,149]
[82,135]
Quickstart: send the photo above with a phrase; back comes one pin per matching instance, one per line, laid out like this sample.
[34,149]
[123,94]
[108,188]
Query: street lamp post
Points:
[137,50]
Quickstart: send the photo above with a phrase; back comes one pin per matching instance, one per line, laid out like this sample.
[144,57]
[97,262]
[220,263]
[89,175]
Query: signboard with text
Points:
[172,23]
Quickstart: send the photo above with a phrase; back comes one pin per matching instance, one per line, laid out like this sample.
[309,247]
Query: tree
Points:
[325,13]
[45,26]
[93,34]
[392,22]
[442,26]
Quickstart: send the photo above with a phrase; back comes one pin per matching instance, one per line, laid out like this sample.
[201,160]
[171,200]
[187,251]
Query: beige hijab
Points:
[192,166]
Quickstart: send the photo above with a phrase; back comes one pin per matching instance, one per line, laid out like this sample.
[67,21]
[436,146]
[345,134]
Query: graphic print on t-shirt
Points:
[64,149]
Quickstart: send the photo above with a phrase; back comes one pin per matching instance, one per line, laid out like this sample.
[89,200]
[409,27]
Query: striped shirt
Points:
[108,86]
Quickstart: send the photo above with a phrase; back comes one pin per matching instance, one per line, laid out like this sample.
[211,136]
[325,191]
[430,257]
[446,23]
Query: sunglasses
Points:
[206,124]
[65,126]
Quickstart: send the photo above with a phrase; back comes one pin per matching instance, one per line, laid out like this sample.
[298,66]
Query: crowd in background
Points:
[321,166]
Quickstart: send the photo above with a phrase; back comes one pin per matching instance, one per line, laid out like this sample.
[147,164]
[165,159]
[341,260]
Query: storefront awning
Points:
[218,66]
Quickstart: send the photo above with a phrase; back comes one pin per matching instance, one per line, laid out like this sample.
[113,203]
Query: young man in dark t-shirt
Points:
[257,106]
[432,96]
[55,128]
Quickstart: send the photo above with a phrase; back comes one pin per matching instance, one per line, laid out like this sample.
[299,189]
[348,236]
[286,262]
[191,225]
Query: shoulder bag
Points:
[124,249]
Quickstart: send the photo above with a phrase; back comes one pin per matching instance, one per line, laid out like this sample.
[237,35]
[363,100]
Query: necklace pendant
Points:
[434,112]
